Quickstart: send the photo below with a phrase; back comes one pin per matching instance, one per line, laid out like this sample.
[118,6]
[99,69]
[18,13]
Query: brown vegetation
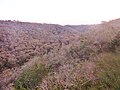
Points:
[66,56]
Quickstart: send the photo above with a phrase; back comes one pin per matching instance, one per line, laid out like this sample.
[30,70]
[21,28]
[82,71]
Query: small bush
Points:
[30,78]
[23,59]
[82,52]
[109,74]
[1,67]
[114,43]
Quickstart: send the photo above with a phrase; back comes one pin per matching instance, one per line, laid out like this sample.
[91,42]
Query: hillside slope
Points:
[61,49]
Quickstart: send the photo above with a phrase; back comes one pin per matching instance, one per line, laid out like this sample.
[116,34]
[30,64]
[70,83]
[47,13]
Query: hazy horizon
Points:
[64,12]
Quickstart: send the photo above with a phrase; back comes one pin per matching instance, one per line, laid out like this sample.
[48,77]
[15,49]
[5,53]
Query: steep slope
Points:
[20,41]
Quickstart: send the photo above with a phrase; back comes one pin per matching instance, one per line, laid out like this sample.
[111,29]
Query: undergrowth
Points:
[107,76]
[30,78]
